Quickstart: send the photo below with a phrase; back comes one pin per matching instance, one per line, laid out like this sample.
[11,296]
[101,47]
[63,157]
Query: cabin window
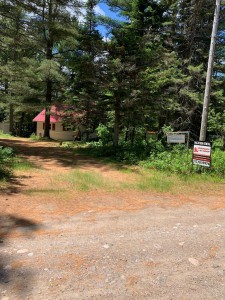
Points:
[53,127]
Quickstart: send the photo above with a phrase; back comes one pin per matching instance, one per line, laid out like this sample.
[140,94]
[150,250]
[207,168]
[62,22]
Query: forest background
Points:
[141,71]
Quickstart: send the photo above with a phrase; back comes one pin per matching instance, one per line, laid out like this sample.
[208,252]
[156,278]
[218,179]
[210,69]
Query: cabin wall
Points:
[40,131]
[60,134]
[57,134]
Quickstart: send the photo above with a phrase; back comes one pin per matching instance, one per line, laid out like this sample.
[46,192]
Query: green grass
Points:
[84,181]
[22,164]
[44,191]
[73,145]
[5,135]
[87,181]
[157,181]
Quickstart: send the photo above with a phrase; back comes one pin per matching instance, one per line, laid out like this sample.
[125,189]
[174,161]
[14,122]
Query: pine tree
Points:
[86,66]
[12,51]
[190,25]
[135,43]
[52,29]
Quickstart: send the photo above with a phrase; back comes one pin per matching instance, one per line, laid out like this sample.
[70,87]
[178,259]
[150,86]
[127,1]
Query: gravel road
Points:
[150,251]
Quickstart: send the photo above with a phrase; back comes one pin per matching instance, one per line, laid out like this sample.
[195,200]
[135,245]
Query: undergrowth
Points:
[155,155]
[6,162]
[5,135]
[179,161]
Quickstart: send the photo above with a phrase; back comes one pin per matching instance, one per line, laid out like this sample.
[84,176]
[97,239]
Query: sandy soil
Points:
[105,245]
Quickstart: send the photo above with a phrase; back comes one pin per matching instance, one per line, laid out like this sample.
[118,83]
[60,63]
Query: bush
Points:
[179,160]
[5,135]
[104,134]
[153,154]
[6,161]
[33,136]
[218,162]
[125,152]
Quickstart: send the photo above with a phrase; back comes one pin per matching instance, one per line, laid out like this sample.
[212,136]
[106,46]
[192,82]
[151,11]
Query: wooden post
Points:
[202,137]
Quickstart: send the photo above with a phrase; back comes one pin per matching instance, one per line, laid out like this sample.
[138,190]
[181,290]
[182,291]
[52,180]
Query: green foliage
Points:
[4,135]
[217,143]
[35,137]
[104,134]
[149,73]
[179,160]
[216,121]
[126,152]
[153,154]
[6,160]
[218,162]
[49,70]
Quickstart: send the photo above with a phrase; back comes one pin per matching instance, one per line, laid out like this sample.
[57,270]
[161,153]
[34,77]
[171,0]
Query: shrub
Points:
[33,136]
[6,160]
[104,134]
[179,160]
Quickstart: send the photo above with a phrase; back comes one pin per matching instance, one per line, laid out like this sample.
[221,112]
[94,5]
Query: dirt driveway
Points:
[60,242]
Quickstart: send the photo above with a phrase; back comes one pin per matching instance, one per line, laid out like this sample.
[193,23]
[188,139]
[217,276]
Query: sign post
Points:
[179,137]
[202,154]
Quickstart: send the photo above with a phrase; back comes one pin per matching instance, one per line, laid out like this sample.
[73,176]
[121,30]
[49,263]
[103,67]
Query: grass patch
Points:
[5,135]
[73,145]
[44,191]
[84,181]
[176,183]
[157,181]
[22,164]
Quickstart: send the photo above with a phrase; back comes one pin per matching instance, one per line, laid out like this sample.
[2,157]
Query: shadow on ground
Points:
[48,151]
[13,186]
[14,277]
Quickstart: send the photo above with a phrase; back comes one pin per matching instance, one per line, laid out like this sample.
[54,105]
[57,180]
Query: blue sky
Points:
[103,9]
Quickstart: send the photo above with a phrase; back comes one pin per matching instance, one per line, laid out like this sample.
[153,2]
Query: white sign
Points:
[202,154]
[175,138]
[202,150]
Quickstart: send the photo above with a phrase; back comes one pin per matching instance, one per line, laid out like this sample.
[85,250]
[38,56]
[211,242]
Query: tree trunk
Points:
[49,56]
[11,118]
[116,124]
[21,124]
[133,135]
[47,123]
[126,134]
[48,98]
[87,119]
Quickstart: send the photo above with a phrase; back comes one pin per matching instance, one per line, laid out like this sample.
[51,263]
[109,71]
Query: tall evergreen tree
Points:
[51,26]
[191,25]
[12,51]
[86,65]
[135,42]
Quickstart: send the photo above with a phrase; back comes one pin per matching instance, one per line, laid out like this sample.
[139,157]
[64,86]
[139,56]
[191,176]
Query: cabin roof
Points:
[57,112]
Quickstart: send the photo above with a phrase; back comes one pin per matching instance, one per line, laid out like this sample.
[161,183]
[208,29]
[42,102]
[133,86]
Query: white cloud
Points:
[106,39]
[99,11]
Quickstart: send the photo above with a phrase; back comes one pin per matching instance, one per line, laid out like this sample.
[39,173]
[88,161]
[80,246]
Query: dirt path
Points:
[58,242]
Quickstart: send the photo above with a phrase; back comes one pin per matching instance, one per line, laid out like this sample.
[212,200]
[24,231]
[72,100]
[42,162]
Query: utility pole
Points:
[208,84]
